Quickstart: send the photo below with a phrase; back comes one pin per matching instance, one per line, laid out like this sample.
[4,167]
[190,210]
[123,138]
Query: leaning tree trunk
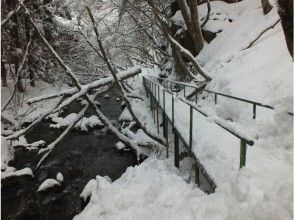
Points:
[266,6]
[190,15]
[16,37]
[30,56]
[286,14]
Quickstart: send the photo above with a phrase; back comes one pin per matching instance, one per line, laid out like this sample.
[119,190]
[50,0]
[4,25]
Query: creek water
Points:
[79,157]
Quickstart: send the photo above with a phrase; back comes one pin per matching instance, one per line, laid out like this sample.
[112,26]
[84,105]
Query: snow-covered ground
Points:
[261,190]
[19,109]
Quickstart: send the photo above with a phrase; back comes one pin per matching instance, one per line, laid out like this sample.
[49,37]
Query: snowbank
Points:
[155,190]
[31,112]
[48,183]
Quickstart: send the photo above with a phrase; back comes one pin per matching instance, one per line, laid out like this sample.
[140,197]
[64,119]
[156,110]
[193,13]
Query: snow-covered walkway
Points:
[216,148]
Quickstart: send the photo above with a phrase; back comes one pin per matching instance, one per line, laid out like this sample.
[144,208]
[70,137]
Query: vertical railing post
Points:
[157,109]
[163,114]
[165,124]
[243,149]
[196,97]
[197,175]
[254,111]
[184,91]
[215,99]
[191,130]
[177,151]
[173,113]
[154,102]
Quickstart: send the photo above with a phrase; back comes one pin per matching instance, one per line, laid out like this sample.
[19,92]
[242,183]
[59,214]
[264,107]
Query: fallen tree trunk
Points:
[94,85]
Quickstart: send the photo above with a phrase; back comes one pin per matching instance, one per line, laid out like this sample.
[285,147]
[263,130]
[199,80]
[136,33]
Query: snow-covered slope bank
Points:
[261,190]
[262,72]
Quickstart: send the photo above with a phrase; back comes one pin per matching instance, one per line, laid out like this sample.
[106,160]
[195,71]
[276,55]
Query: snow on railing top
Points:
[230,127]
[254,103]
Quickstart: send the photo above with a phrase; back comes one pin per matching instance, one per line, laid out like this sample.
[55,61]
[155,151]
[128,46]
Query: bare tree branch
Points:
[18,74]
[10,14]
[207,15]
[265,30]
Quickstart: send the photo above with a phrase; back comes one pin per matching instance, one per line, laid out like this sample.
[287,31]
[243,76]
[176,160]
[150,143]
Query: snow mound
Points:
[119,145]
[59,177]
[155,190]
[84,102]
[48,183]
[83,124]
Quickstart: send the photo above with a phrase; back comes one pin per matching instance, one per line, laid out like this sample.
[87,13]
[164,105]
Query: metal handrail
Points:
[254,103]
[151,85]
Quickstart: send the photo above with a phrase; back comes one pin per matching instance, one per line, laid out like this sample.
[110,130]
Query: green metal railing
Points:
[153,91]
[182,86]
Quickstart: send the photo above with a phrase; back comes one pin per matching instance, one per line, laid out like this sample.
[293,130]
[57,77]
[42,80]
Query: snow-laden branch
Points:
[45,114]
[131,72]
[10,14]
[72,76]
[51,146]
[186,53]
[153,135]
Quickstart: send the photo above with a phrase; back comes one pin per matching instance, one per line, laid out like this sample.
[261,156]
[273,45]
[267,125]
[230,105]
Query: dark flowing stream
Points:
[79,157]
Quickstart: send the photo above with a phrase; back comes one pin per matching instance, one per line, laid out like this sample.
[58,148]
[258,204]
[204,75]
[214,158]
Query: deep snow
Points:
[261,190]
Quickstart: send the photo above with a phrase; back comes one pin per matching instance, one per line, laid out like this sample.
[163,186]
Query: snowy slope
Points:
[261,190]
[262,72]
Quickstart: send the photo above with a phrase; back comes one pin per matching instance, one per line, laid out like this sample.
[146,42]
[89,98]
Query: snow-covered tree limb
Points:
[10,14]
[131,72]
[113,71]
[72,76]
[189,56]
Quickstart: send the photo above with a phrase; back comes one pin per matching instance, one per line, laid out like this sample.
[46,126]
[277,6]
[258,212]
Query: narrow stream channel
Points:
[79,157]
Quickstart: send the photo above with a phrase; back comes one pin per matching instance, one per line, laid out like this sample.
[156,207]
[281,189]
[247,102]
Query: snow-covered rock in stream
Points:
[47,184]
[59,177]
[106,96]
[84,124]
[84,102]
[119,145]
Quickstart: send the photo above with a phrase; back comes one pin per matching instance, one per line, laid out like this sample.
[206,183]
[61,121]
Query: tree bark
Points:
[190,15]
[3,74]
[286,14]
[30,57]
